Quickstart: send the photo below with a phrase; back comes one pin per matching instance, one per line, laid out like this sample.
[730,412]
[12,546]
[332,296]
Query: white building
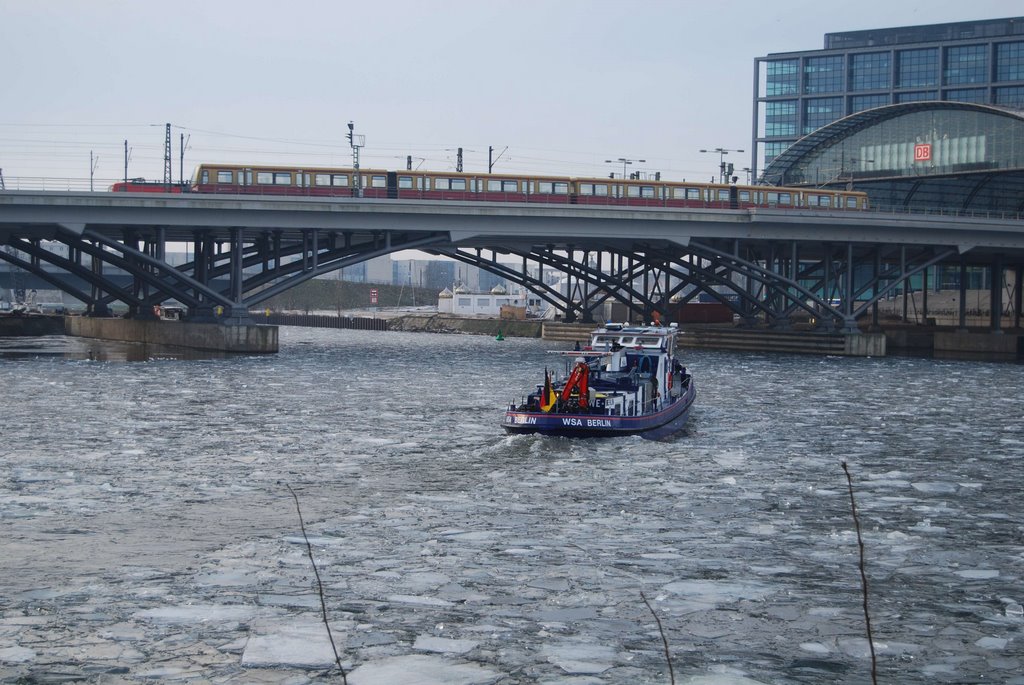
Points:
[464,302]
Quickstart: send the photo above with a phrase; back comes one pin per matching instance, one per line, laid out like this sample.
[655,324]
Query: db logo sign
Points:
[923,152]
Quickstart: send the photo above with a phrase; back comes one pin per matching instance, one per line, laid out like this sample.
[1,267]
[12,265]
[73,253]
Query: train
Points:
[237,179]
[141,185]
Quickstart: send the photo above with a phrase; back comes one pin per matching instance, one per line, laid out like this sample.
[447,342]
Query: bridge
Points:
[766,264]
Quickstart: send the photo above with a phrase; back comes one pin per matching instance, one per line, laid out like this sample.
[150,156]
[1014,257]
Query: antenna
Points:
[93,163]
[127,156]
[181,164]
[167,157]
[357,142]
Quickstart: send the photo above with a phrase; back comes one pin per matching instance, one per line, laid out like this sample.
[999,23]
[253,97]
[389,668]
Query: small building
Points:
[464,302]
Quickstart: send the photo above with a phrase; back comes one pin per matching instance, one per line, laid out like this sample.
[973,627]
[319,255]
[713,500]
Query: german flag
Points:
[547,398]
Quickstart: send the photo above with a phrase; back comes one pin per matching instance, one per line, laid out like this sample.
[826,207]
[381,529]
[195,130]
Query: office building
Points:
[797,93]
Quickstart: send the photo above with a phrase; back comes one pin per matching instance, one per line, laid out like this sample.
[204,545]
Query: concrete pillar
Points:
[963,297]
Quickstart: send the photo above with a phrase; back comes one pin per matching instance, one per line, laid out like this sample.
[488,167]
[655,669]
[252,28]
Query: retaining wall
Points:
[247,339]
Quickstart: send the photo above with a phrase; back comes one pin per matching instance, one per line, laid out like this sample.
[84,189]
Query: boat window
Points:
[264,178]
[465,302]
[405,182]
[649,341]
[225,177]
[483,302]
[627,340]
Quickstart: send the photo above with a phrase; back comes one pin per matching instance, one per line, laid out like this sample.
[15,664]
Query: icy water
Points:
[148,533]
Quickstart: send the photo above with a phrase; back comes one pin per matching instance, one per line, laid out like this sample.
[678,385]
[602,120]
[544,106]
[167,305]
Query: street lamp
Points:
[624,162]
[722,152]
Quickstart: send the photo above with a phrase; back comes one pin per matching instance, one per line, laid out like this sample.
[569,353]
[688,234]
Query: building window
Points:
[979,95]
[870,71]
[859,103]
[782,77]
[821,111]
[916,68]
[1010,96]
[1010,62]
[773,150]
[823,74]
[917,96]
[780,118]
[966,64]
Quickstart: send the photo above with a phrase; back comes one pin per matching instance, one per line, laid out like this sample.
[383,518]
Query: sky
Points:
[554,86]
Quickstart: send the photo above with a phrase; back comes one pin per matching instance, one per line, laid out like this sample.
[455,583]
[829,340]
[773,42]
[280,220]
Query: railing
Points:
[56,184]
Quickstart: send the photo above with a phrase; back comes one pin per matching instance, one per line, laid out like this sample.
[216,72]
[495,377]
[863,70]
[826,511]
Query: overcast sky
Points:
[563,84]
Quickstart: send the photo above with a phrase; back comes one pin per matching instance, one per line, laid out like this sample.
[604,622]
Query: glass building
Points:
[796,93]
[933,155]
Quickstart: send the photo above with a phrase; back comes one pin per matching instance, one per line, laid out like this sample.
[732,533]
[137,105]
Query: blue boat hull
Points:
[655,426]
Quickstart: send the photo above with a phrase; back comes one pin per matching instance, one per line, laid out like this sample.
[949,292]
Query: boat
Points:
[627,381]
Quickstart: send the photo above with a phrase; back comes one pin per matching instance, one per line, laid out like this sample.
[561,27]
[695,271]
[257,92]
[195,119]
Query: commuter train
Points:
[141,185]
[448,185]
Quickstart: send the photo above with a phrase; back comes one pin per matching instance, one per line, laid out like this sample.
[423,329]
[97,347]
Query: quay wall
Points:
[18,326]
[247,339]
[752,339]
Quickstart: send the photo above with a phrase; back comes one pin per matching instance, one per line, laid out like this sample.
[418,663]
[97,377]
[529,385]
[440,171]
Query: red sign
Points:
[373,296]
[923,152]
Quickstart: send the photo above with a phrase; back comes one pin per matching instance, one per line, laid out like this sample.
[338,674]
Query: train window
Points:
[301,179]
[679,193]
[586,189]
[552,188]
[744,196]
[600,189]
[378,182]
[405,182]
[282,178]
[820,200]
[693,194]
[225,177]
[420,183]
[245,177]
[205,178]
[784,198]
[851,203]
[264,178]
[772,198]
[339,179]
[632,191]
[561,188]
[723,194]
[458,184]
[493,186]
[322,179]
[647,191]
[442,184]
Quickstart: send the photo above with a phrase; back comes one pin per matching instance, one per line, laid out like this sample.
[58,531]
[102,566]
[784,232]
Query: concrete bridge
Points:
[768,265]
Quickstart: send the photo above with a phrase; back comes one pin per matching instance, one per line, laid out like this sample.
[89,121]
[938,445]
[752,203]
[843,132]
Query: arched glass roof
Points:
[923,154]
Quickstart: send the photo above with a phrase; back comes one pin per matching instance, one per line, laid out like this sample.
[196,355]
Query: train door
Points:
[734,201]
[392,185]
